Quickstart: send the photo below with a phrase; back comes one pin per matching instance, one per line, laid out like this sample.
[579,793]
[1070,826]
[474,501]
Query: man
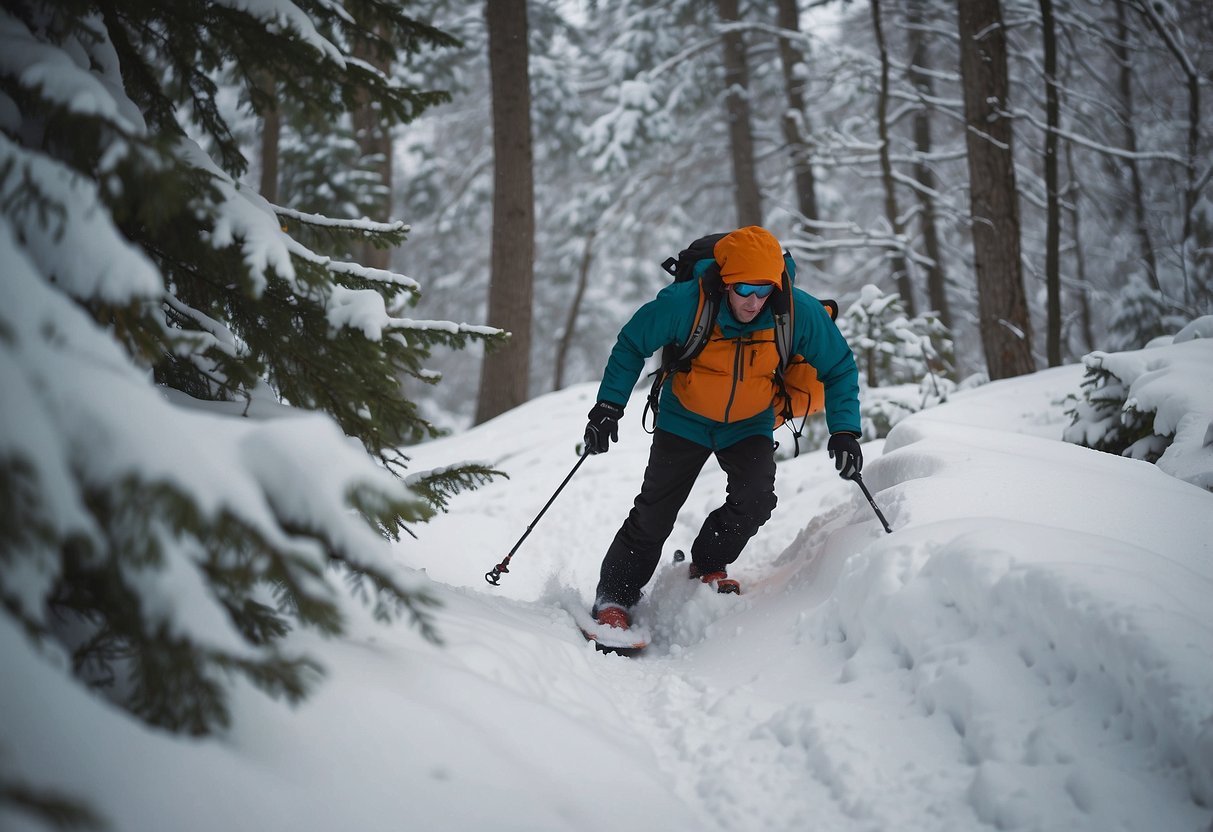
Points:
[722,405]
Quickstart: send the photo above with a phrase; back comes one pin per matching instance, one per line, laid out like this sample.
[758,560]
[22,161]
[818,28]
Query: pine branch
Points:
[437,486]
[191,275]
[52,808]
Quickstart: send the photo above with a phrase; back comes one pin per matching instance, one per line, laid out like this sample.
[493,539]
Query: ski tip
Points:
[630,650]
[623,646]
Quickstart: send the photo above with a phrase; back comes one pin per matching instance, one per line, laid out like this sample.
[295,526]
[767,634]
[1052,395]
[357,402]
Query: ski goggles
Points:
[757,289]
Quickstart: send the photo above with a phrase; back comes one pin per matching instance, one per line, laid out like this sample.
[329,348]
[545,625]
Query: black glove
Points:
[848,458]
[603,428]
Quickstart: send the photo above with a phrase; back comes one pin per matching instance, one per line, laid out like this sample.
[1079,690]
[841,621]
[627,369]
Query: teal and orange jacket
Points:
[669,317]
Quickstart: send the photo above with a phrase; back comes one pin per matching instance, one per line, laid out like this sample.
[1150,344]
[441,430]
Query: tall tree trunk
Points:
[1006,331]
[505,373]
[1053,203]
[374,143]
[1124,77]
[570,323]
[1073,196]
[737,106]
[1171,39]
[901,271]
[795,120]
[271,134]
[920,76]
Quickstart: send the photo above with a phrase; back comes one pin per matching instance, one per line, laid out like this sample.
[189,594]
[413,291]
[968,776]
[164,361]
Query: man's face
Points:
[746,307]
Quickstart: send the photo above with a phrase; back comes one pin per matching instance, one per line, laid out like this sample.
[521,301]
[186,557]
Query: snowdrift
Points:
[1032,648]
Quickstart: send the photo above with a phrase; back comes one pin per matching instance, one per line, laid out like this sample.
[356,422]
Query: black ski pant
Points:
[674,465]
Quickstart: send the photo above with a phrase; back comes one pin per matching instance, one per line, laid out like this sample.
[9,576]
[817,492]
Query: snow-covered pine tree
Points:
[1104,420]
[171,509]
[1140,315]
[891,348]
[1201,254]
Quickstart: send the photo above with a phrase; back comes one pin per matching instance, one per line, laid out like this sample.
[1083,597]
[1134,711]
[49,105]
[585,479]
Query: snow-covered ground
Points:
[1032,648]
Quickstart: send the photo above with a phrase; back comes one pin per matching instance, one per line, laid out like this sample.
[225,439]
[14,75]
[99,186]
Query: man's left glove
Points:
[848,458]
[603,427]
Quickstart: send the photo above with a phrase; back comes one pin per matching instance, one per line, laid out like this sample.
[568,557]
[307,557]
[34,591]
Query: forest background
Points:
[854,146]
[238,239]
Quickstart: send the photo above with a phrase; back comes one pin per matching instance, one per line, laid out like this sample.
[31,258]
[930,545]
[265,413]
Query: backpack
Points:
[799,392]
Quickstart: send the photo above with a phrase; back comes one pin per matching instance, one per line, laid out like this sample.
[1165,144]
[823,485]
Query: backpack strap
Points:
[783,310]
[784,333]
[678,357]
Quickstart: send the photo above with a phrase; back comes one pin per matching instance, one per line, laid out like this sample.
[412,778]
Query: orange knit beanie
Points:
[750,255]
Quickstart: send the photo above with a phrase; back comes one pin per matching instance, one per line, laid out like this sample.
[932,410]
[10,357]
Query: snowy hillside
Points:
[1032,648]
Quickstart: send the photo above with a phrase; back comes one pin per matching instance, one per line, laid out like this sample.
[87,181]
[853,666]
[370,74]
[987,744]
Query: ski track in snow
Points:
[961,673]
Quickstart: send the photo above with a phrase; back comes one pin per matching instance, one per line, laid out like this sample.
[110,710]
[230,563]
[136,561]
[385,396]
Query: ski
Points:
[607,643]
[607,639]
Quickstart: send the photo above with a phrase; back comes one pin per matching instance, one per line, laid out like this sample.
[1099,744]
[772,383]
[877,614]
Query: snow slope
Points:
[1032,648]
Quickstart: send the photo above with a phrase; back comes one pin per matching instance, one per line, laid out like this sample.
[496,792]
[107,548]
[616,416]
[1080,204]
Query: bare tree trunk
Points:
[1006,330]
[1053,204]
[795,120]
[901,271]
[1120,49]
[920,76]
[570,324]
[1074,194]
[374,143]
[737,105]
[271,133]
[505,373]
[1192,76]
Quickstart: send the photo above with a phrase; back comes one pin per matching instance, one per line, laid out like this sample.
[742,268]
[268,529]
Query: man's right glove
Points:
[848,458]
[603,428]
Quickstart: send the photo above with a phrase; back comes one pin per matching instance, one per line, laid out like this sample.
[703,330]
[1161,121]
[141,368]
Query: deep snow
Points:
[1032,648]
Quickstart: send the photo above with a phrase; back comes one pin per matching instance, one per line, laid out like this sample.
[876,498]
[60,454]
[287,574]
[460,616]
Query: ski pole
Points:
[859,481]
[494,575]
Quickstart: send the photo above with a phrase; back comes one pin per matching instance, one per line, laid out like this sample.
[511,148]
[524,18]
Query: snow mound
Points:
[1031,648]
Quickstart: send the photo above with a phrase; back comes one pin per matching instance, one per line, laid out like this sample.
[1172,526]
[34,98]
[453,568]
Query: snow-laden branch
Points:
[946,106]
[446,326]
[713,40]
[42,198]
[212,334]
[284,17]
[1167,34]
[243,218]
[51,72]
[374,275]
[367,226]
[365,310]
[695,48]
[861,239]
[1098,147]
